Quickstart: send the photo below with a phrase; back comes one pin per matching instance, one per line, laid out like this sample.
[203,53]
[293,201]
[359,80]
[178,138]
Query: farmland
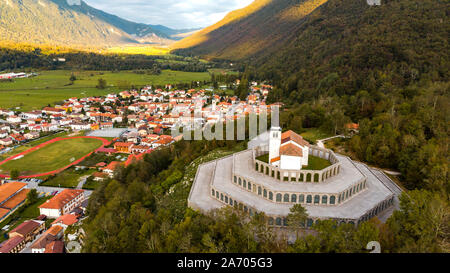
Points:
[54,86]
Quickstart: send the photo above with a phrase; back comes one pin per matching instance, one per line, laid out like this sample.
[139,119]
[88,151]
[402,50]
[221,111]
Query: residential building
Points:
[62,203]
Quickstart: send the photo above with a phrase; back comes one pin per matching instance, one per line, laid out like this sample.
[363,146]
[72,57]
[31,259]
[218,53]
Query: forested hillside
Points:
[401,42]
[385,67]
[259,28]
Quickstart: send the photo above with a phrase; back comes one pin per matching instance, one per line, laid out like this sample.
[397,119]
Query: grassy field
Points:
[31,144]
[52,157]
[140,50]
[54,86]
[67,179]
[314,134]
[316,163]
[92,185]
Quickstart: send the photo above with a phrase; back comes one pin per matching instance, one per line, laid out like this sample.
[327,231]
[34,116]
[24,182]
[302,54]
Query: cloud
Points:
[178,14]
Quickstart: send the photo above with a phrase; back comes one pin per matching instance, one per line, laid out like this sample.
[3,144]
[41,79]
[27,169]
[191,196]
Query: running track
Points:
[104,141]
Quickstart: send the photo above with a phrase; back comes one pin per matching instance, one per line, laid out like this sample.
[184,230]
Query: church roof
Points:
[292,136]
[291,150]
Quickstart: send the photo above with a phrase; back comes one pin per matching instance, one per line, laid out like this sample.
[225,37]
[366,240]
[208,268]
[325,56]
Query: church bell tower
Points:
[274,143]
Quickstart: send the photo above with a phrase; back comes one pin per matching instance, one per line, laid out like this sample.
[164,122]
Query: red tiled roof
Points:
[25,228]
[123,144]
[353,126]
[112,166]
[61,199]
[292,136]
[67,219]
[291,150]
[55,247]
[11,244]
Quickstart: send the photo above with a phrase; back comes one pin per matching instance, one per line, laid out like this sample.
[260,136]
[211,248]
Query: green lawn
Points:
[92,185]
[53,86]
[314,134]
[67,179]
[53,156]
[31,144]
[316,163]
[263,158]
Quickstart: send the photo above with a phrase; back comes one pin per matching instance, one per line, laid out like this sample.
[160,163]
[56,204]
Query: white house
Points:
[13,119]
[62,203]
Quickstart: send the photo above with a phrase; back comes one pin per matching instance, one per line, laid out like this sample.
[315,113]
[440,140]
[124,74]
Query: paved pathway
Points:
[82,181]
[321,141]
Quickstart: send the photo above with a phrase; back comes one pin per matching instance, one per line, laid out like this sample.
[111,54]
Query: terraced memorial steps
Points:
[214,187]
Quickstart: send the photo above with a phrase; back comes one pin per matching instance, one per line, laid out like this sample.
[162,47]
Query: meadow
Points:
[140,50]
[52,157]
[50,87]
[67,179]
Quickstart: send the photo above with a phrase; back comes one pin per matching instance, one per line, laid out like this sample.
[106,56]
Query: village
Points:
[134,122]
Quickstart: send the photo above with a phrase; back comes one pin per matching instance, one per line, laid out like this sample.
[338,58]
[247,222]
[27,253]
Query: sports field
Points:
[51,156]
[54,86]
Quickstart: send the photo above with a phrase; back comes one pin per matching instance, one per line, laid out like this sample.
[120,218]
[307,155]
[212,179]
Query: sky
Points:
[178,14]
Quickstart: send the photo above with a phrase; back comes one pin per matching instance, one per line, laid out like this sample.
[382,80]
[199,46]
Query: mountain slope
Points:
[399,42]
[71,23]
[45,22]
[263,25]
[140,32]
[346,44]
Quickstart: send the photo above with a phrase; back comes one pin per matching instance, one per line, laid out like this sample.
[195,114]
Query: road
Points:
[82,181]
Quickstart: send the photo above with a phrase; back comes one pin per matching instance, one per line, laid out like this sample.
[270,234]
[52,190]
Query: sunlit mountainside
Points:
[74,24]
[263,25]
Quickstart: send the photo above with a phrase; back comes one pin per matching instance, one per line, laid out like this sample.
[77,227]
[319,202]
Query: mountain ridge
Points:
[73,23]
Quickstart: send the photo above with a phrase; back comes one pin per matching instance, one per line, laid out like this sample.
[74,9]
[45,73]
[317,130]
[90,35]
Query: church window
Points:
[301,198]
[279,197]
[332,200]
[316,199]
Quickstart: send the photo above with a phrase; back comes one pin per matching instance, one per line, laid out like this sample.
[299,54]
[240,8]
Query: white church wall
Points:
[291,162]
[305,158]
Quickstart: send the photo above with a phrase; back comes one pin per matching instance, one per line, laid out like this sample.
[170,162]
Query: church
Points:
[276,171]
[288,150]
